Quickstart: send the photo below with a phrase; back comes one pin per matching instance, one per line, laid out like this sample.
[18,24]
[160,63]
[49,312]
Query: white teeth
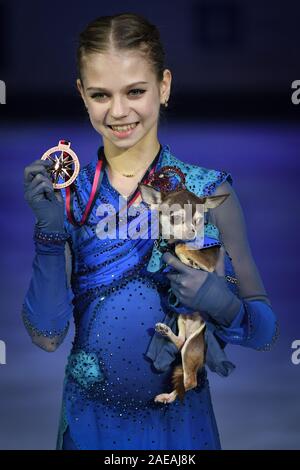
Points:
[124,128]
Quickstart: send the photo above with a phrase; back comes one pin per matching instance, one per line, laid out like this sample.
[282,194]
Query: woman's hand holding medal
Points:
[43,180]
[46,202]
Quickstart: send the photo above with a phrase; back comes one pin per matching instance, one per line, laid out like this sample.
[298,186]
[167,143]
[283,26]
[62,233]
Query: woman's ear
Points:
[165,86]
[81,90]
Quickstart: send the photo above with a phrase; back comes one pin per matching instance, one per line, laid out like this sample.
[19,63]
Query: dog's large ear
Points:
[214,201]
[150,195]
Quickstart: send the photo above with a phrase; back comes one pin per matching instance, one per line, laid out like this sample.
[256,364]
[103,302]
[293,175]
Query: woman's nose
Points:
[118,109]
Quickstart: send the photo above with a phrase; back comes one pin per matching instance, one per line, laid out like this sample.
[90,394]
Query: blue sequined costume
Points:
[115,368]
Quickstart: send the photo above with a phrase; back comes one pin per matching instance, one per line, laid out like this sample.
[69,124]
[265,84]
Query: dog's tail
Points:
[177,381]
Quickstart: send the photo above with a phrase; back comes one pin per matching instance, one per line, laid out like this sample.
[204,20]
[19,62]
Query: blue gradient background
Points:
[258,406]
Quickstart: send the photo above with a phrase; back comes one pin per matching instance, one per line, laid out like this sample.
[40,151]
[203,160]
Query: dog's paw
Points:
[162,329]
[165,397]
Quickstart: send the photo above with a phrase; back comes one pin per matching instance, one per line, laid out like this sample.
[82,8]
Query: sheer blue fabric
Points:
[47,320]
[118,364]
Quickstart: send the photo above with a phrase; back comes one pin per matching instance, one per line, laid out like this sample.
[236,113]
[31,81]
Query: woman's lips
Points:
[123,134]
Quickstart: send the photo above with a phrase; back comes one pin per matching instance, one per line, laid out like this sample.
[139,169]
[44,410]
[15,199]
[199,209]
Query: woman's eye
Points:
[140,91]
[97,95]
[135,92]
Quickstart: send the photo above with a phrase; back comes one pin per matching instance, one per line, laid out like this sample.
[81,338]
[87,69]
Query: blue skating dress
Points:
[114,370]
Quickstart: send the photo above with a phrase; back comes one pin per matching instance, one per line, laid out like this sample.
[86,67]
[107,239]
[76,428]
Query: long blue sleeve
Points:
[248,322]
[255,326]
[47,306]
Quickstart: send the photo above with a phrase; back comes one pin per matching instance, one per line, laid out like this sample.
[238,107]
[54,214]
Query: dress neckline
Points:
[114,189]
[141,179]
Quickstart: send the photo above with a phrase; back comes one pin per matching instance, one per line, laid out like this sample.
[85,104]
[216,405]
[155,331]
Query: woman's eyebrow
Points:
[104,89]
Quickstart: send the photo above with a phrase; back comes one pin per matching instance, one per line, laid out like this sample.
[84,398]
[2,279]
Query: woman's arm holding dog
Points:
[247,319]
[255,324]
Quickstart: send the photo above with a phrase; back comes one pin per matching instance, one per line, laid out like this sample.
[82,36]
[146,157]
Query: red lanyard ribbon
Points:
[99,172]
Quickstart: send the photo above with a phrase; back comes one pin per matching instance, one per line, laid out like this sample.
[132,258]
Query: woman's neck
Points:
[132,162]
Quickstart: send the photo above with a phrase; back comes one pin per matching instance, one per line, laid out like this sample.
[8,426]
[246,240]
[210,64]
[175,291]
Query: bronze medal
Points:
[65,167]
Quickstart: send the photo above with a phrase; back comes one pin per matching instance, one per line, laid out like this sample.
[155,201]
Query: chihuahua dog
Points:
[176,228]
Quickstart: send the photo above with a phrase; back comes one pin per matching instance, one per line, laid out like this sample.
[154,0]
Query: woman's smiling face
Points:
[120,88]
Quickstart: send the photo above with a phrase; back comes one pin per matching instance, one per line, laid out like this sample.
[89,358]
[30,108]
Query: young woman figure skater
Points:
[118,364]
